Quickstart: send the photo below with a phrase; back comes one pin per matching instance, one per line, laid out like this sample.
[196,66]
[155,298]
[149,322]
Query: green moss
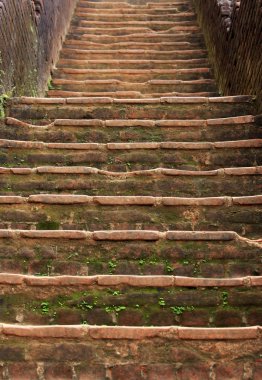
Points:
[48,225]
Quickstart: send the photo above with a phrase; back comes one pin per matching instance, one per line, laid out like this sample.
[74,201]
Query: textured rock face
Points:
[130,214]
[232,33]
[35,29]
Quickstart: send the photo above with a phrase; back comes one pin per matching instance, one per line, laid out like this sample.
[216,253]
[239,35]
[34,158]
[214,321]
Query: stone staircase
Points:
[129,210]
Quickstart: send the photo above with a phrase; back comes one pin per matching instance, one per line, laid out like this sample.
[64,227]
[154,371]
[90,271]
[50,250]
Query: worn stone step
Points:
[110,108]
[139,37]
[156,87]
[160,182]
[133,75]
[70,53]
[156,25]
[146,155]
[181,253]
[84,17]
[131,63]
[166,46]
[127,30]
[124,5]
[242,214]
[124,94]
[51,350]
[139,11]
[105,131]
[131,300]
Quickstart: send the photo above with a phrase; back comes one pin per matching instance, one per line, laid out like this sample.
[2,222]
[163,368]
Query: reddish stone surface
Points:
[229,371]
[193,372]
[22,371]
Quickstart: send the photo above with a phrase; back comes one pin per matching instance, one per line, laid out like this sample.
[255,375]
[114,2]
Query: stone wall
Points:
[31,32]
[233,36]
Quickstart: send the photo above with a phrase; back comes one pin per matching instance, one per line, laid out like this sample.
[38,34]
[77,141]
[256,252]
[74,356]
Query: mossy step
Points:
[132,76]
[166,352]
[109,108]
[55,253]
[134,63]
[139,156]
[159,87]
[105,131]
[132,213]
[131,300]
[160,182]
[166,46]
[139,37]
[82,16]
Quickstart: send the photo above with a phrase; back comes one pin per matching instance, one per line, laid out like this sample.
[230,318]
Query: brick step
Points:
[157,25]
[118,156]
[154,352]
[131,64]
[139,9]
[242,214]
[180,253]
[133,75]
[206,254]
[83,16]
[160,182]
[157,108]
[139,37]
[126,31]
[131,300]
[126,94]
[105,131]
[206,158]
[182,45]
[69,53]
[124,5]
[152,87]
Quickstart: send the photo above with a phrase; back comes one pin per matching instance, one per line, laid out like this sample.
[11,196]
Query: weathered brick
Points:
[193,372]
[130,371]
[58,371]
[22,371]
[11,353]
[60,352]
[231,370]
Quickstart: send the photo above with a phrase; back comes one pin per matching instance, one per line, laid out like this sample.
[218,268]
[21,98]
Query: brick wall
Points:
[233,35]
[31,32]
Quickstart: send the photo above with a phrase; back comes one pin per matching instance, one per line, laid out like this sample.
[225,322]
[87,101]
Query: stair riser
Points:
[137,159]
[69,357]
[126,7]
[80,134]
[133,77]
[85,18]
[165,46]
[91,217]
[142,37]
[175,9]
[137,88]
[130,111]
[131,64]
[116,32]
[68,257]
[99,185]
[69,305]
[96,55]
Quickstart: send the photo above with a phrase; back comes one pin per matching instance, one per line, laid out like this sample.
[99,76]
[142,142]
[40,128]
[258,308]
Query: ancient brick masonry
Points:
[232,31]
[130,208]
[31,33]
